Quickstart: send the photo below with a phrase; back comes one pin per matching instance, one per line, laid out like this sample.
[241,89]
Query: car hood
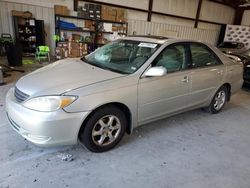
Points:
[63,76]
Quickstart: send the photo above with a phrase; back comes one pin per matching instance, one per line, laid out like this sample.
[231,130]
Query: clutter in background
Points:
[94,26]
[61,10]
[70,49]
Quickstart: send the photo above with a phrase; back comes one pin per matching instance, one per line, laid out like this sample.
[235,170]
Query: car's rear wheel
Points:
[104,129]
[218,101]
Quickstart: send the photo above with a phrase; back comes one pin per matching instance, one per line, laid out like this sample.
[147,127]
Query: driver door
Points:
[160,96]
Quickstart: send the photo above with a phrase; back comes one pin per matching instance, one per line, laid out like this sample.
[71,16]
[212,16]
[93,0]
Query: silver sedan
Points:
[122,85]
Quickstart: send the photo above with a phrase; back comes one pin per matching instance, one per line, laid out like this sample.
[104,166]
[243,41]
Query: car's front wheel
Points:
[218,101]
[104,129]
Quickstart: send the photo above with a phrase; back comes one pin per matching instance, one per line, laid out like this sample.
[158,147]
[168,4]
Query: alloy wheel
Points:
[219,100]
[106,130]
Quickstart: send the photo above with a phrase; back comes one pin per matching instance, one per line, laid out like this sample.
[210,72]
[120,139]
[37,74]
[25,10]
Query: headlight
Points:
[49,103]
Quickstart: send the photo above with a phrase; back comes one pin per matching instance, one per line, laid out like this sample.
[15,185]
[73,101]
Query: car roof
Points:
[156,39]
[148,38]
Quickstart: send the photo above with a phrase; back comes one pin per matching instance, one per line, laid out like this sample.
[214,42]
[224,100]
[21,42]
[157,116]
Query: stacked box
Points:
[21,14]
[61,10]
[98,11]
[77,49]
[70,49]
[119,29]
[120,15]
[62,50]
[76,37]
[82,12]
[90,25]
[94,10]
[108,13]
[90,11]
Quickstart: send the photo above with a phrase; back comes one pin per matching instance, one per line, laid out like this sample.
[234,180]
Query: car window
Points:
[203,57]
[172,58]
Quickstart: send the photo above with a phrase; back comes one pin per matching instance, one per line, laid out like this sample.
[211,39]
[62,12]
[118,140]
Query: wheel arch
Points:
[119,105]
[228,86]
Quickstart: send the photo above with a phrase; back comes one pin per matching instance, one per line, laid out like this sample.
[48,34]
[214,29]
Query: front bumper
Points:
[44,128]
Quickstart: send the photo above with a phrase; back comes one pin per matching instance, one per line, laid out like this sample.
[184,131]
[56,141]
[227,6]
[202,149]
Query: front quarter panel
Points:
[121,90]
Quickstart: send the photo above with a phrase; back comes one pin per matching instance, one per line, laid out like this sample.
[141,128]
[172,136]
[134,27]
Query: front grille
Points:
[20,96]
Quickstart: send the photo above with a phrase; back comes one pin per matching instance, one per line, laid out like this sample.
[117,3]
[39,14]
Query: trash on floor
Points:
[65,157]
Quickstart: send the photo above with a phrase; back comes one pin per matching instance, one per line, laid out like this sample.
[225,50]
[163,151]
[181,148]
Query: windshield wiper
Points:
[101,66]
[110,69]
[84,59]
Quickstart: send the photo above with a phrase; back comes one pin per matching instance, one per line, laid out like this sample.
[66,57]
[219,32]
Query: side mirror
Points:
[156,71]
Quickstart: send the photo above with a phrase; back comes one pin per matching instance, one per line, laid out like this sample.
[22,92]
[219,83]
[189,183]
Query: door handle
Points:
[185,79]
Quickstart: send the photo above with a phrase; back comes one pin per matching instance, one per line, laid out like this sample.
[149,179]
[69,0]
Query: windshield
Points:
[231,45]
[122,56]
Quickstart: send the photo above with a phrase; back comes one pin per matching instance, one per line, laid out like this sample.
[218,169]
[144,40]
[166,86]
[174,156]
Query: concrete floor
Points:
[190,150]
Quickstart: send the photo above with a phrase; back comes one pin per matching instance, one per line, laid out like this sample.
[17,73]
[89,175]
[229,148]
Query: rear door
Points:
[206,75]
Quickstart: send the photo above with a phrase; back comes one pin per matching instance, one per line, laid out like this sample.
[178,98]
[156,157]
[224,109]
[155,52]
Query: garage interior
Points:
[192,149]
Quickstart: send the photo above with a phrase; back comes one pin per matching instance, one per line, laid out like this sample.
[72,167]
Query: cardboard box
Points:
[120,15]
[83,14]
[76,53]
[61,10]
[77,45]
[21,14]
[108,13]
[77,49]
[90,25]
[61,52]
[62,44]
[115,28]
[76,37]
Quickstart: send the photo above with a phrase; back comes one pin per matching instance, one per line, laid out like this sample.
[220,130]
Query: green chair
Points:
[42,52]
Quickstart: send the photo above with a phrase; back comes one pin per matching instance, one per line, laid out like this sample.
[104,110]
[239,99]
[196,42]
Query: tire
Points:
[104,129]
[218,101]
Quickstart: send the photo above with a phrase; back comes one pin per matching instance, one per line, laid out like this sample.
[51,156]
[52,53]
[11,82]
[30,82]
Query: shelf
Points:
[27,41]
[77,30]
[96,31]
[73,17]
[30,34]
[109,32]
[109,21]
[97,20]
[21,25]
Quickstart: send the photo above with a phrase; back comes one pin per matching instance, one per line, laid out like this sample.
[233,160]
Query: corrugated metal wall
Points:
[185,8]
[39,12]
[211,11]
[160,25]
[246,18]
[153,28]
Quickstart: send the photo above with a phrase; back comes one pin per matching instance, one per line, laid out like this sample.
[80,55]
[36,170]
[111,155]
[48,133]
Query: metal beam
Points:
[152,12]
[238,16]
[75,5]
[198,14]
[150,7]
